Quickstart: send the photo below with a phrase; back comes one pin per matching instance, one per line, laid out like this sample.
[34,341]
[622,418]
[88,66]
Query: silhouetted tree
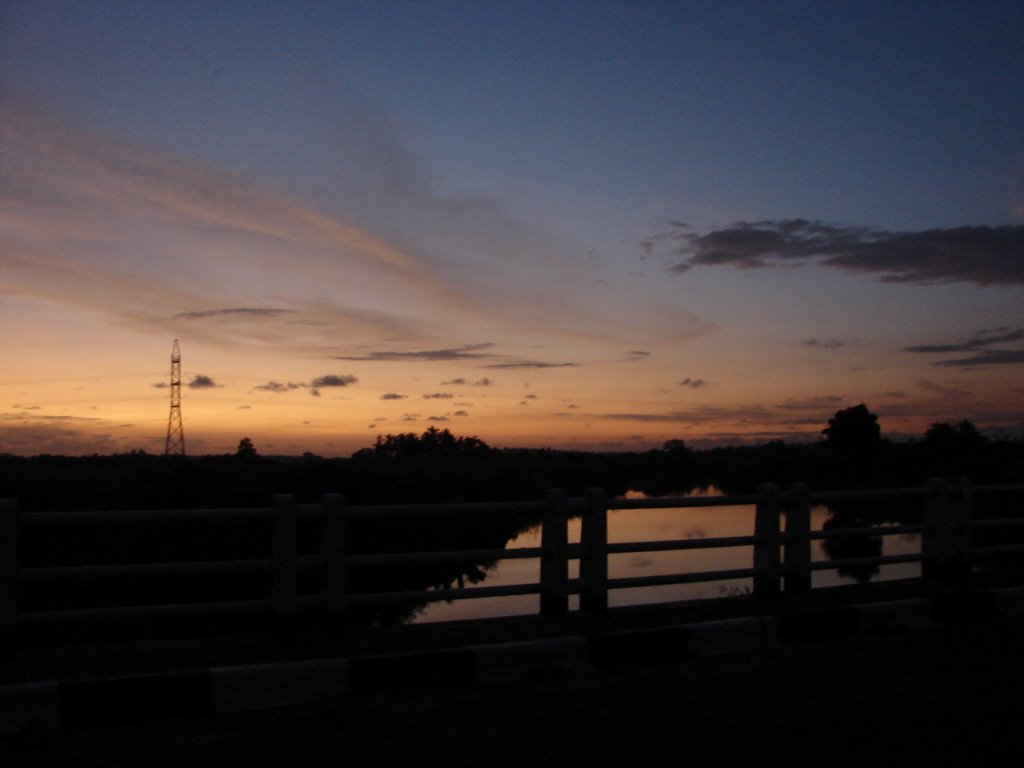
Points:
[955,449]
[434,443]
[675,446]
[853,430]
[961,436]
[246,450]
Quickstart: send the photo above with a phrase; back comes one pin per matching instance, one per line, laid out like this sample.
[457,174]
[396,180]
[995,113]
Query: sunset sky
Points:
[595,225]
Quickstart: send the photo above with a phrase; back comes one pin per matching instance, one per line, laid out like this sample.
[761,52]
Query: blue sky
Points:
[604,198]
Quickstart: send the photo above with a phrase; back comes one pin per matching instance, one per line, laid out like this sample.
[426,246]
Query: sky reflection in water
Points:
[652,525]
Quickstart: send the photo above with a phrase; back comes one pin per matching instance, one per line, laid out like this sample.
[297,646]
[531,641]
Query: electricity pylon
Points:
[175,432]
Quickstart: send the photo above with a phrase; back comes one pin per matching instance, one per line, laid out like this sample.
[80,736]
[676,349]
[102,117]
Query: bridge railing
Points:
[782,560]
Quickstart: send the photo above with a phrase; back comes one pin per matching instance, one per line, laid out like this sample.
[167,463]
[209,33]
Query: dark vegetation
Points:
[438,466]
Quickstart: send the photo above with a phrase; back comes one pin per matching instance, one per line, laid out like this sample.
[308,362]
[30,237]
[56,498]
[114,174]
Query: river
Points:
[655,524]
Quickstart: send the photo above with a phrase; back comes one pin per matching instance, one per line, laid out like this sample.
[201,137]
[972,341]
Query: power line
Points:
[92,400]
[16,382]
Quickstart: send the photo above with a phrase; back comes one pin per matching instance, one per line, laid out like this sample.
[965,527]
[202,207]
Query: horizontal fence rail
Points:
[782,561]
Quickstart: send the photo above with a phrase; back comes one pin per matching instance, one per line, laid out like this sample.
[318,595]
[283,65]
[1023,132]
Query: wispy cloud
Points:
[821,403]
[636,355]
[943,390]
[824,343]
[978,349]
[245,312]
[989,357]
[529,364]
[807,412]
[982,255]
[277,386]
[461,382]
[85,218]
[465,352]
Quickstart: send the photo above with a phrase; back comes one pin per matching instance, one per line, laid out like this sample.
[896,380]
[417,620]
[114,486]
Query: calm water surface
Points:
[652,525]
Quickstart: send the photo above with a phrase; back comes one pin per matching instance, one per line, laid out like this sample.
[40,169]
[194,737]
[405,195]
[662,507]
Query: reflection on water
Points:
[685,523]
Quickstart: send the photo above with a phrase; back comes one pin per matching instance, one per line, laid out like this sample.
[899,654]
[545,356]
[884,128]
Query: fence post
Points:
[554,560]
[797,549]
[594,557]
[8,569]
[961,538]
[334,551]
[766,551]
[286,572]
[935,538]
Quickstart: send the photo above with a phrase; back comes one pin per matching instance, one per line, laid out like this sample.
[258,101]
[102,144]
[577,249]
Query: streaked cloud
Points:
[986,358]
[636,355]
[247,313]
[461,382]
[970,254]
[943,390]
[465,352]
[86,217]
[529,364]
[277,386]
[801,413]
[821,403]
[978,348]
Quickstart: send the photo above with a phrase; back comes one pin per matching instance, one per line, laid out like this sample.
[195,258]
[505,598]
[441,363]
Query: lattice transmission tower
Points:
[175,432]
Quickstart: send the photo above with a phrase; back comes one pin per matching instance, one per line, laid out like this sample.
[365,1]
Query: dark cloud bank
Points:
[982,255]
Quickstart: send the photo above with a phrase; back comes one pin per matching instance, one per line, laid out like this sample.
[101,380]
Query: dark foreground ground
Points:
[948,695]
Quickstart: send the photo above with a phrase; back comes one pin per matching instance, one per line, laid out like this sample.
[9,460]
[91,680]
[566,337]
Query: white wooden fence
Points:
[782,558]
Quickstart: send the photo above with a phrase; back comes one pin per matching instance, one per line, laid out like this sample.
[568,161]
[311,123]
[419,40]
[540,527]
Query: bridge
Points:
[306,638]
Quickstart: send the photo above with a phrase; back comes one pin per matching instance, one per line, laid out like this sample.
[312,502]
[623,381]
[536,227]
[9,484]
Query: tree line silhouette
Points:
[438,466]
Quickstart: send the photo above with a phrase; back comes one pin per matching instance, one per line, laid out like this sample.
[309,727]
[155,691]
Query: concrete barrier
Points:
[914,613]
[264,686]
[555,657]
[1010,601]
[84,703]
[29,705]
[729,636]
